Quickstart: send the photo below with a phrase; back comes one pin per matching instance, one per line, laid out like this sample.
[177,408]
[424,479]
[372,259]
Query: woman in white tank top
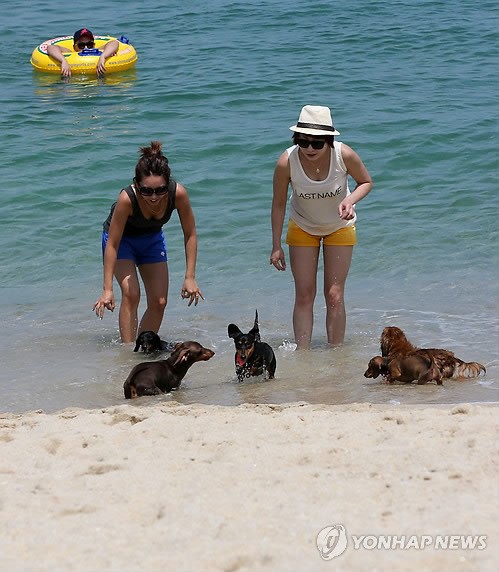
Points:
[322,211]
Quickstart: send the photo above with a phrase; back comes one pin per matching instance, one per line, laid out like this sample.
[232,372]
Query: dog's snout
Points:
[208,354]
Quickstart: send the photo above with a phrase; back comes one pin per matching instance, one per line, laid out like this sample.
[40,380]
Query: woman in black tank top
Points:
[133,239]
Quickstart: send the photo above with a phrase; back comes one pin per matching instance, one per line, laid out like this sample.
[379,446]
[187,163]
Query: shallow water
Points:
[416,100]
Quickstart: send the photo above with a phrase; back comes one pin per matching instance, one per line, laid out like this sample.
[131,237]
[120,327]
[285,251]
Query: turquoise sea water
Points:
[413,88]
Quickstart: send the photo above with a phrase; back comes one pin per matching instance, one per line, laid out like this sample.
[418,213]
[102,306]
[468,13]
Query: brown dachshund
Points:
[395,345]
[163,376]
[414,366]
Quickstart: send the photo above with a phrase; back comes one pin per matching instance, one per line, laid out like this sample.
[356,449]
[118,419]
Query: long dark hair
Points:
[152,162]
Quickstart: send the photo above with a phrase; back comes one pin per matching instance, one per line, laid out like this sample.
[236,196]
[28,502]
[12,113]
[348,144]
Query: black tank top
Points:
[137,224]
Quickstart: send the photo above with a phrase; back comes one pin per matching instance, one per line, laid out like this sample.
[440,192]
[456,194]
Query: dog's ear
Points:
[255,330]
[233,331]
[138,343]
[255,334]
[182,356]
[394,368]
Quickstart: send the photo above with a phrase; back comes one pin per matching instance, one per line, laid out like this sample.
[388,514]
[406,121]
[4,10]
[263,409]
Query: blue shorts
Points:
[144,249]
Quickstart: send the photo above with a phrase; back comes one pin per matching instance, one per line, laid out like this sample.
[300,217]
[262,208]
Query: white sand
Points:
[164,486]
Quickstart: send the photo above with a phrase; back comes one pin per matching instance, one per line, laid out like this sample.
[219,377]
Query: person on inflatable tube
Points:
[83,39]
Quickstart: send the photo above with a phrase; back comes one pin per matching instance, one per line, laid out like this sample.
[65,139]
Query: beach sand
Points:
[163,486]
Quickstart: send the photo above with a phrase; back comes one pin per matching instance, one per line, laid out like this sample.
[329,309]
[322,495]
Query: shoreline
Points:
[149,403]
[152,403]
[247,487]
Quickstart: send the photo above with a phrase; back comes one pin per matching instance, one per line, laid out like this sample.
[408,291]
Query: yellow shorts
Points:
[298,237]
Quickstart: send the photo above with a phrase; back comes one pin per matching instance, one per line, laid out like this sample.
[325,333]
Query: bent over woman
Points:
[133,239]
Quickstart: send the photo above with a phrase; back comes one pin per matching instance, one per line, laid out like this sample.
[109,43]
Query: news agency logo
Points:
[332,541]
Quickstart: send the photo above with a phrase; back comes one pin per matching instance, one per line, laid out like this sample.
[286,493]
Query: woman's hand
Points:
[191,291]
[105,301]
[346,209]
[278,259]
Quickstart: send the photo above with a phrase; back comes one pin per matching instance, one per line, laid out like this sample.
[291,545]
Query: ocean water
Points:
[413,88]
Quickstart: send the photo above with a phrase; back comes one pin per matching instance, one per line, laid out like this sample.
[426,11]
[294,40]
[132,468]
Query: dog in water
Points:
[163,376]
[400,360]
[253,357]
[150,342]
[414,366]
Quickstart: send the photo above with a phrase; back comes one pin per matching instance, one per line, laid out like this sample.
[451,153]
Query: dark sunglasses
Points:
[83,45]
[148,191]
[316,143]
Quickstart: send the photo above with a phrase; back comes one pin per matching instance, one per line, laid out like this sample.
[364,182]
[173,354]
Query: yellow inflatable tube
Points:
[84,62]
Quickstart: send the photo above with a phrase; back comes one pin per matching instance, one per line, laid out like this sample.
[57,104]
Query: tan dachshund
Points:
[394,345]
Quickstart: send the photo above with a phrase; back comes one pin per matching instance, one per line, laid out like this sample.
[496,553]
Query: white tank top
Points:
[314,204]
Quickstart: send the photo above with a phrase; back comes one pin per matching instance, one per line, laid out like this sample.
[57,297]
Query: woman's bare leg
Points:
[155,278]
[126,275]
[337,261]
[304,261]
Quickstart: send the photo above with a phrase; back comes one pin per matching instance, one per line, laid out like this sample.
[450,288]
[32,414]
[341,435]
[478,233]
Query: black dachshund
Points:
[150,342]
[163,376]
[253,357]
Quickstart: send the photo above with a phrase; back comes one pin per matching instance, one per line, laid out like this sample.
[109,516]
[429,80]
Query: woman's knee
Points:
[305,297]
[335,296]
[130,295]
[157,303]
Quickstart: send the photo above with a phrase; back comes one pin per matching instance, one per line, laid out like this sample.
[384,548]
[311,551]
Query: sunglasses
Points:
[316,143]
[83,45]
[148,191]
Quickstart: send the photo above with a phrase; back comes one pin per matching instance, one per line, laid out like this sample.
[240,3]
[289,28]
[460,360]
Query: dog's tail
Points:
[468,369]
[451,366]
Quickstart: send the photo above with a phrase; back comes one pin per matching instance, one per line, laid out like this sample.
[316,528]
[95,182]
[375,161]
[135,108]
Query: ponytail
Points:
[152,162]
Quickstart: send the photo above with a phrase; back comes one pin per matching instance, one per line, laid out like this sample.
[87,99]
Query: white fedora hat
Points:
[315,120]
